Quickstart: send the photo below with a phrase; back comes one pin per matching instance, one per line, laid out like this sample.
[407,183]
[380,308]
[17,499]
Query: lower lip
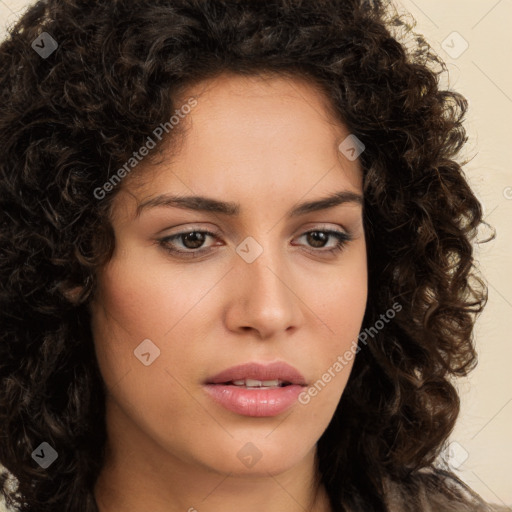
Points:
[254,402]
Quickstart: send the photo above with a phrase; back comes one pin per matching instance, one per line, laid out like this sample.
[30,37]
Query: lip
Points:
[260,371]
[256,402]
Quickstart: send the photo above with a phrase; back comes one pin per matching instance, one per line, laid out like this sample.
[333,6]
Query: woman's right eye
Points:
[187,238]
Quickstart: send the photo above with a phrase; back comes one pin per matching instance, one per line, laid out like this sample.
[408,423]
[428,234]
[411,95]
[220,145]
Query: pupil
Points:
[196,235]
[319,234]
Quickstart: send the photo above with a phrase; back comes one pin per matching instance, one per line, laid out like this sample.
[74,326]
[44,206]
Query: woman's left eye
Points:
[319,236]
[193,239]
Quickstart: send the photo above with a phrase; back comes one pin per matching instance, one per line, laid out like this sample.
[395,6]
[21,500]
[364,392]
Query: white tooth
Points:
[252,383]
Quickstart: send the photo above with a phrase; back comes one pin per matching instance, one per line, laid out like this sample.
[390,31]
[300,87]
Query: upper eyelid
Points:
[213,234]
[314,226]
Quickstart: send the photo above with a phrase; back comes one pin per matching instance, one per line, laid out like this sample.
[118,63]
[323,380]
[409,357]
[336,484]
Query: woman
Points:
[203,199]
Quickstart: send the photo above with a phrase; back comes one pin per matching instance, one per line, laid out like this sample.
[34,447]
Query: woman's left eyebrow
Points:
[208,204]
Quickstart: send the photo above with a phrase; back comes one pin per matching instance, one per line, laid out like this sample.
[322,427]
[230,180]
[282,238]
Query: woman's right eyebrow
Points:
[209,204]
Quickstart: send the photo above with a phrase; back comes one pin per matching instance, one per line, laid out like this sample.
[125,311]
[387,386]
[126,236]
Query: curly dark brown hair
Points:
[69,119]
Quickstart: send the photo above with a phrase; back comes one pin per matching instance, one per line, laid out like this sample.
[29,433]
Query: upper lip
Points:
[259,371]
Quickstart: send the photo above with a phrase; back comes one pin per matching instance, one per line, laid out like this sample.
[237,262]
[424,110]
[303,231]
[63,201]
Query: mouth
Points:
[259,375]
[255,384]
[255,389]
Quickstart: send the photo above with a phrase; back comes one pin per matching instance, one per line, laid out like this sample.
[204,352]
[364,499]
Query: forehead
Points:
[253,133]
[265,108]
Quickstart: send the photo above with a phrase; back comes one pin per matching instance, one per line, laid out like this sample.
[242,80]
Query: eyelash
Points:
[343,239]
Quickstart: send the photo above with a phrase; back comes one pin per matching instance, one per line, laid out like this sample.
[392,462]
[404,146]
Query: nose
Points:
[266,299]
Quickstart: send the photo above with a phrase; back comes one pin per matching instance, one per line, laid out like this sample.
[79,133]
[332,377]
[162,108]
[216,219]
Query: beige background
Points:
[482,445]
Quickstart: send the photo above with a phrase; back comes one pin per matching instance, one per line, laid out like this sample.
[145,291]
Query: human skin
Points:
[267,145]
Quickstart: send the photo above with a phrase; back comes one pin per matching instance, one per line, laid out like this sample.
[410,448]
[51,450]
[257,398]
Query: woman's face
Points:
[260,289]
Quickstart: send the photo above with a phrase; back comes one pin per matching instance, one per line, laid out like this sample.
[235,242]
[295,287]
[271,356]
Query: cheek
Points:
[341,308]
[347,306]
[136,303]
[128,309]
[142,299]
[342,302]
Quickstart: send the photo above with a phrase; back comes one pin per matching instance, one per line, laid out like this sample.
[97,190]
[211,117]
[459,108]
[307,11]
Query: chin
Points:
[258,455]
